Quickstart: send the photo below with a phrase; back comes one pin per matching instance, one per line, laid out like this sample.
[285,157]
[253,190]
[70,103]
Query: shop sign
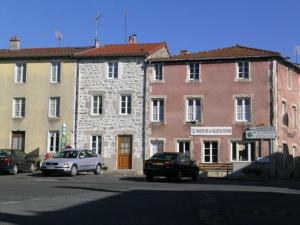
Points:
[261,133]
[211,131]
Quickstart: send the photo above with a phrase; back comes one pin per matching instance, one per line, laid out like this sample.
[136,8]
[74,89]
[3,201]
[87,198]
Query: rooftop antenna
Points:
[125,20]
[97,21]
[58,36]
[297,52]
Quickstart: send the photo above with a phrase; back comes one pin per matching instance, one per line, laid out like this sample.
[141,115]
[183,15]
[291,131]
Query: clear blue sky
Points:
[195,25]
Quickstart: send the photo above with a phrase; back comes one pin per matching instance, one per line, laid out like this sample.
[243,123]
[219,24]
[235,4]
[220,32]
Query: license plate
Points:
[157,164]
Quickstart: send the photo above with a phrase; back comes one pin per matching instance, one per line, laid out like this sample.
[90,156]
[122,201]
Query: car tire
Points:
[179,176]
[73,171]
[14,170]
[195,176]
[149,178]
[98,169]
[31,168]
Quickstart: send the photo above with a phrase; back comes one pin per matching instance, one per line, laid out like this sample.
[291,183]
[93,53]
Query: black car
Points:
[13,161]
[171,165]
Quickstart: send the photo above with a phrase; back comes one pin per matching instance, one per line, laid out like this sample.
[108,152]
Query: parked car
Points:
[13,161]
[171,165]
[72,161]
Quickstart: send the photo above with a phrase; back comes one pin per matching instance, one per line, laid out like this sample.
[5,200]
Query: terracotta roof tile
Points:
[40,52]
[142,49]
[230,52]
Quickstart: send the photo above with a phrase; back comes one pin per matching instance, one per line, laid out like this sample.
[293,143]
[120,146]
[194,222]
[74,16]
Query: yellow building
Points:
[37,98]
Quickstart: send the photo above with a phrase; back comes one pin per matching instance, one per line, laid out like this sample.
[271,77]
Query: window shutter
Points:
[58,71]
[58,107]
[24,73]
[23,107]
[120,69]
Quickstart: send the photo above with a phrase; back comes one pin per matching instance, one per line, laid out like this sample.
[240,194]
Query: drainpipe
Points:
[76,103]
[144,111]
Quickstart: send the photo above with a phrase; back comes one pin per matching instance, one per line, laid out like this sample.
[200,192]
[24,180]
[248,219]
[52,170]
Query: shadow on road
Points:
[149,207]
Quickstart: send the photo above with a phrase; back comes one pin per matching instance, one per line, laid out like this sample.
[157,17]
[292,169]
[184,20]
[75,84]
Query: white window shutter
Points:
[120,69]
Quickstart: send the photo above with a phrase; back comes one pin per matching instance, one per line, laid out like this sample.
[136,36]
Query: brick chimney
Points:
[14,43]
[132,39]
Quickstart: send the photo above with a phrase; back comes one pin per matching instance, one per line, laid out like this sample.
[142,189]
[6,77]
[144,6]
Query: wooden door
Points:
[124,151]
[18,140]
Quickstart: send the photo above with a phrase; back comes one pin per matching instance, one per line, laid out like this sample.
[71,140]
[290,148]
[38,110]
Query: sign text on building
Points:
[261,133]
[211,131]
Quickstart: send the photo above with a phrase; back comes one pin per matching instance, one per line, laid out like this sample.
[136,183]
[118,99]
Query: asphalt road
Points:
[27,199]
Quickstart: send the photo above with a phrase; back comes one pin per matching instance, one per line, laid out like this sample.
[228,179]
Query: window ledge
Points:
[243,80]
[157,123]
[158,81]
[96,115]
[193,123]
[53,118]
[18,117]
[243,123]
[193,81]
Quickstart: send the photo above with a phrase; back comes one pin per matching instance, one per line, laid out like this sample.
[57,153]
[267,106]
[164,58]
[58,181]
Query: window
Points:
[55,72]
[284,114]
[157,146]
[193,111]
[210,151]
[243,109]
[113,70]
[184,147]
[125,104]
[54,107]
[157,110]
[19,107]
[289,78]
[294,120]
[96,144]
[20,74]
[194,71]
[243,70]
[242,151]
[53,141]
[159,71]
[97,105]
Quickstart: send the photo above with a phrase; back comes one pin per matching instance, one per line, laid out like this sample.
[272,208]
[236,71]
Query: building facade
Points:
[37,98]
[202,104]
[111,102]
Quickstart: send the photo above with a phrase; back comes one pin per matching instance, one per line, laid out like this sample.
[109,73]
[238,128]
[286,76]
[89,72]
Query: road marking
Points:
[11,202]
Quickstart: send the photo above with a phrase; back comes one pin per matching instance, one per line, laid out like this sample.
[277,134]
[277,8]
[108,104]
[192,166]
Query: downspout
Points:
[76,103]
[144,111]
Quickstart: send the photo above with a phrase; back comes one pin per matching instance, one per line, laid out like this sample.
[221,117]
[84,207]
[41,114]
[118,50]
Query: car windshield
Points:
[165,156]
[67,154]
[5,153]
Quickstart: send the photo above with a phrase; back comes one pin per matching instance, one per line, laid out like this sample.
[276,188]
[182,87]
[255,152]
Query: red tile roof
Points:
[236,51]
[40,52]
[142,49]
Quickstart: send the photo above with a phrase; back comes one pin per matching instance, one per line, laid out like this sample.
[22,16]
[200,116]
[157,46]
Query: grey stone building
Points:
[110,116]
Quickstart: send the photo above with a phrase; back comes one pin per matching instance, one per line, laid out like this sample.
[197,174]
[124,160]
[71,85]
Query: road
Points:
[113,200]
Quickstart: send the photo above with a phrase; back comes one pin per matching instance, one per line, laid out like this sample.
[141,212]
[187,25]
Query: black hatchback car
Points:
[170,165]
[13,161]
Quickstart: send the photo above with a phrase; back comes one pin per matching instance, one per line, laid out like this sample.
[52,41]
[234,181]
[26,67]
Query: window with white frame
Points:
[55,72]
[96,143]
[19,107]
[243,109]
[159,71]
[156,146]
[125,104]
[242,151]
[194,71]
[20,73]
[289,78]
[184,147]
[113,70]
[210,152]
[54,107]
[284,114]
[243,70]
[194,110]
[53,141]
[157,110]
[294,119]
[97,105]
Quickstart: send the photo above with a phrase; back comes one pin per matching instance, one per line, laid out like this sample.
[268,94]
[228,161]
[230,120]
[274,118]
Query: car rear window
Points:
[5,153]
[165,156]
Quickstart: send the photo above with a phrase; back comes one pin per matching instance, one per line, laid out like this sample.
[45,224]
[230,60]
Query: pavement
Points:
[116,200]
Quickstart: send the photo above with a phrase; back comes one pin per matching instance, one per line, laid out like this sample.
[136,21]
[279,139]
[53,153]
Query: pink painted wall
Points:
[218,88]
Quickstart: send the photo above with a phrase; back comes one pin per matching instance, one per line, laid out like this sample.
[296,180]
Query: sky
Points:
[194,25]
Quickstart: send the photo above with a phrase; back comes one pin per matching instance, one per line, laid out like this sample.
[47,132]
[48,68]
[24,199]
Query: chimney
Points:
[132,39]
[14,43]
[97,43]
[184,52]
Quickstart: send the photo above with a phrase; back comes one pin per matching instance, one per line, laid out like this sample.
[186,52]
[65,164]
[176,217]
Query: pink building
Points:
[202,103]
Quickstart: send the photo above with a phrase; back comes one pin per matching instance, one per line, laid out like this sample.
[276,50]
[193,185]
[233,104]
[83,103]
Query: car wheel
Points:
[32,167]
[73,171]
[179,176]
[98,169]
[149,178]
[195,175]
[14,170]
